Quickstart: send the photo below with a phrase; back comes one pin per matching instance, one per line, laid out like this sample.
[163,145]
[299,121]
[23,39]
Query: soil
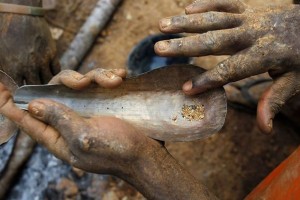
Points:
[230,163]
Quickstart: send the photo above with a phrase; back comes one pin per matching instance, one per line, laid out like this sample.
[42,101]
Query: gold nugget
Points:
[193,112]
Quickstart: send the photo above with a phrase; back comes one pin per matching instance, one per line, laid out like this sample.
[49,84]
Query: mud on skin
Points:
[146,164]
[258,40]
[103,144]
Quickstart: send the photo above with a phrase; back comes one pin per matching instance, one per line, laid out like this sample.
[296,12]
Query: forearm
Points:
[24,2]
[161,177]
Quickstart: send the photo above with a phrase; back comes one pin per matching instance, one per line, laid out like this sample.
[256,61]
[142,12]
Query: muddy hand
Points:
[258,40]
[104,144]
[100,144]
[27,50]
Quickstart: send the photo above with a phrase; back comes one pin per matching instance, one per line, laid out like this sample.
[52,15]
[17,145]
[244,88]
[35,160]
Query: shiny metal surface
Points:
[151,102]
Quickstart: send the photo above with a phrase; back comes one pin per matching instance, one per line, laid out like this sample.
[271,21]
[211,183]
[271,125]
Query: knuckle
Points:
[209,39]
[222,73]
[195,21]
[54,115]
[177,45]
[211,16]
[178,20]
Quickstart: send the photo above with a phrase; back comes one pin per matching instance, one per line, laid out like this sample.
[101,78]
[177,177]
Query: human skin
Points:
[27,54]
[27,50]
[99,145]
[103,145]
[257,40]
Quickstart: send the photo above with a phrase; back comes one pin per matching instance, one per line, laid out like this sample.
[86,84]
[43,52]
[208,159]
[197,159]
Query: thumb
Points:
[58,116]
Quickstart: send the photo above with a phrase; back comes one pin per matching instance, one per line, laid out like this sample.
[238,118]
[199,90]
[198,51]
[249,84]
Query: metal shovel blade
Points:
[152,102]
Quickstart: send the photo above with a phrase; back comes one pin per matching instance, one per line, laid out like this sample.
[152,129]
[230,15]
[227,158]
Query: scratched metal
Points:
[151,102]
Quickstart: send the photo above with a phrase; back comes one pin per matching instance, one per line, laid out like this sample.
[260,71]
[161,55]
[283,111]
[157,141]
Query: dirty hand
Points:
[97,144]
[104,144]
[27,50]
[258,40]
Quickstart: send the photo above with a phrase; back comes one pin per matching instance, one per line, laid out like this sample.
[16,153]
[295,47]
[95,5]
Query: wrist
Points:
[146,173]
[159,176]
[36,3]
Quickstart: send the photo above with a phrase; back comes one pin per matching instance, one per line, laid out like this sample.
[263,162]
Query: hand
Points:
[104,144]
[258,40]
[99,144]
[27,50]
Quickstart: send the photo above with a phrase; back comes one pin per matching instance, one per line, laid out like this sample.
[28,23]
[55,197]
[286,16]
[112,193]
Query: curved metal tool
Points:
[153,103]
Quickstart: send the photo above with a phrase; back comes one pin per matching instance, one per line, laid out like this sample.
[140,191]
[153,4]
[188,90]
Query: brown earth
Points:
[230,163]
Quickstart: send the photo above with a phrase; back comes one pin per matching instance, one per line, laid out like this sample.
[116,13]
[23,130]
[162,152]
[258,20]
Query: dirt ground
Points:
[230,163]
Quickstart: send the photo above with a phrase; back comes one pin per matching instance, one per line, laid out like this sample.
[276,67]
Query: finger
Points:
[71,79]
[37,130]
[58,116]
[244,64]
[119,72]
[200,23]
[107,78]
[223,42]
[274,98]
[201,6]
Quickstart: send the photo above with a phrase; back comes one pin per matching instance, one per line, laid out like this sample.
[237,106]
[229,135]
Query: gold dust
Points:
[193,112]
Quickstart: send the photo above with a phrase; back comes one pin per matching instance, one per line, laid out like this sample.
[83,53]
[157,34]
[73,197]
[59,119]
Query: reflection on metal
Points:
[150,102]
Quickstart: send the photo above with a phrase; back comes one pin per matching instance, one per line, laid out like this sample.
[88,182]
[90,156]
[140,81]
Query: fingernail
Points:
[187,86]
[162,45]
[164,23]
[37,109]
